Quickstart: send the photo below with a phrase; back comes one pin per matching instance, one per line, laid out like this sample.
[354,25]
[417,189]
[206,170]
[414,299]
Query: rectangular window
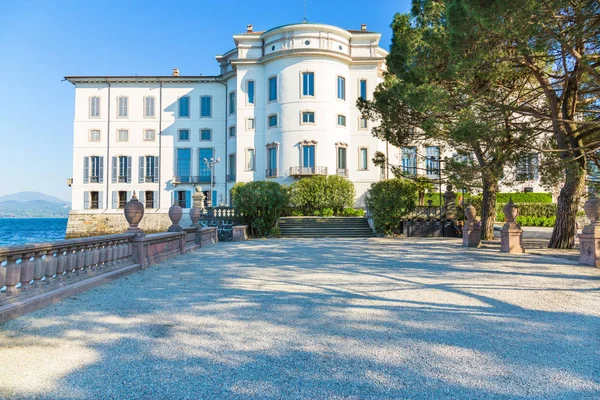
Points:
[94,200]
[205,135]
[363,161]
[184,165]
[527,167]
[95,107]
[308,117]
[184,107]
[184,134]
[232,103]
[122,198]
[250,124]
[432,163]
[96,170]
[308,156]
[308,84]
[271,162]
[182,198]
[341,158]
[150,169]
[341,120]
[148,199]
[205,107]
[95,135]
[250,90]
[273,88]
[341,88]
[204,170]
[409,160]
[124,169]
[122,135]
[363,89]
[362,123]
[232,167]
[149,135]
[273,121]
[149,107]
[123,106]
[232,131]
[250,160]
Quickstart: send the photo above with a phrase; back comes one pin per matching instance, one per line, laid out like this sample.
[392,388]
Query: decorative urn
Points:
[195,214]
[175,214]
[470,212]
[134,212]
[511,211]
[592,211]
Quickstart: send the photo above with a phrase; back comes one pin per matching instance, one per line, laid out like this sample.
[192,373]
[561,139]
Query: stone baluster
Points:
[589,238]
[101,255]
[27,269]
[80,261]
[61,266]
[39,269]
[110,253]
[511,235]
[88,263]
[13,275]
[472,228]
[2,275]
[120,252]
[50,267]
[71,262]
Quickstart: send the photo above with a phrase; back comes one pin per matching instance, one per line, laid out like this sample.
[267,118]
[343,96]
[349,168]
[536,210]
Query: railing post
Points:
[62,258]
[39,269]
[13,274]
[27,269]
[50,266]
[71,262]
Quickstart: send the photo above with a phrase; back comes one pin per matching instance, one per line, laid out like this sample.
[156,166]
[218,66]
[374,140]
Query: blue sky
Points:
[41,41]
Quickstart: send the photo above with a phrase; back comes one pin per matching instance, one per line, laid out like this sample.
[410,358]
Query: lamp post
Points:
[210,164]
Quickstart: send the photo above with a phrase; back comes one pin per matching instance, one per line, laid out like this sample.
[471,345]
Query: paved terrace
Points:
[288,319]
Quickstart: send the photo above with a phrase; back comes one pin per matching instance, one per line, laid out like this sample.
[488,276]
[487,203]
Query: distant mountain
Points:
[33,205]
[31,196]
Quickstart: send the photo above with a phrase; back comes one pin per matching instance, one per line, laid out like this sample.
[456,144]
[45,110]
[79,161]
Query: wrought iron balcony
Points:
[94,179]
[342,172]
[230,177]
[191,179]
[307,171]
[149,179]
[271,173]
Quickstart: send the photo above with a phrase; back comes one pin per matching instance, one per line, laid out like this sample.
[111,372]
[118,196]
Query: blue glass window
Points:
[183,164]
[409,160]
[273,89]
[231,102]
[204,170]
[308,156]
[341,88]
[205,106]
[272,120]
[364,159]
[432,164]
[308,117]
[205,134]
[184,106]
[250,92]
[184,134]
[308,84]
[363,89]
[272,154]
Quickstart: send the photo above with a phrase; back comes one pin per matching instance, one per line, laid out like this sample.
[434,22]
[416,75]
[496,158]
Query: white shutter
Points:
[100,200]
[155,169]
[155,199]
[86,169]
[101,170]
[142,197]
[129,170]
[86,200]
[128,196]
[141,170]
[115,200]
[114,169]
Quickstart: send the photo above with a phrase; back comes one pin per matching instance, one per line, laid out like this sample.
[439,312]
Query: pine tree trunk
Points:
[488,207]
[563,234]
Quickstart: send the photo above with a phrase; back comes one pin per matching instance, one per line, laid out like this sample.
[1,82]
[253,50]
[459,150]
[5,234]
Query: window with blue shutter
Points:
[250,89]
[204,153]
[231,102]
[432,163]
[308,156]
[183,165]
[205,134]
[273,88]
[205,106]
[341,88]
[184,107]
[308,84]
[363,89]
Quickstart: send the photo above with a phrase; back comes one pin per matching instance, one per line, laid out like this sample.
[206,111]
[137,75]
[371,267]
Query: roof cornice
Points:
[141,79]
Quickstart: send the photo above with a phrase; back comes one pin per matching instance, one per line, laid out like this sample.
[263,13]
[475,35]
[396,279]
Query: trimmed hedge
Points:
[389,201]
[319,194]
[260,204]
[502,197]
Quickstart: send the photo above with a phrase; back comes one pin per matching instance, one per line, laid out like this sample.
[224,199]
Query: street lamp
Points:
[210,164]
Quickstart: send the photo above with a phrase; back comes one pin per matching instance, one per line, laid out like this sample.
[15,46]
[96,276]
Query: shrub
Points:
[260,203]
[326,212]
[389,201]
[353,212]
[524,197]
[310,195]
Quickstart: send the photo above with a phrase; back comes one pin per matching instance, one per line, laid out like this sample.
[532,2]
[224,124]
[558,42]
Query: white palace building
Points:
[282,107]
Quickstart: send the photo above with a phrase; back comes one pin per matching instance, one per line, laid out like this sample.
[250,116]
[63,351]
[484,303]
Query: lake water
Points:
[16,231]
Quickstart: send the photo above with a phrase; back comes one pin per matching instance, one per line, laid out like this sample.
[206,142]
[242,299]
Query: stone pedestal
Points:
[239,233]
[511,235]
[472,228]
[589,239]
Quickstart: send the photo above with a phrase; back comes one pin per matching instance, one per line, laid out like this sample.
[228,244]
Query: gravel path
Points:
[289,318]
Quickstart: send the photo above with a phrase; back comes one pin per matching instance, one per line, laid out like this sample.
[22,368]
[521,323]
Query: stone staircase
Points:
[316,227]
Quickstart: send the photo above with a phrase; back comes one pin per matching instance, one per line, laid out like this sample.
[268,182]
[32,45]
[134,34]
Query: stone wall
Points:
[82,224]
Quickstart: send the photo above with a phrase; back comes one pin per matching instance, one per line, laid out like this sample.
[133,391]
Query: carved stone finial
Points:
[134,212]
[511,235]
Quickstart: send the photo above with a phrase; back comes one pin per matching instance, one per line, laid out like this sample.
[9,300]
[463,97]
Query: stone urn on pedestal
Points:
[589,239]
[511,235]
[175,214]
[197,205]
[134,212]
[472,229]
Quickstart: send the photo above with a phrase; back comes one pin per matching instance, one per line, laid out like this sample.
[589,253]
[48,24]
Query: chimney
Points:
[363,28]
[175,71]
[249,28]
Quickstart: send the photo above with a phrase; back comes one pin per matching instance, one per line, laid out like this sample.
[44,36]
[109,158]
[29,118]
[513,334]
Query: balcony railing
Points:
[307,171]
[191,179]
[123,179]
[230,177]
[271,173]
[342,172]
[94,179]
[149,179]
